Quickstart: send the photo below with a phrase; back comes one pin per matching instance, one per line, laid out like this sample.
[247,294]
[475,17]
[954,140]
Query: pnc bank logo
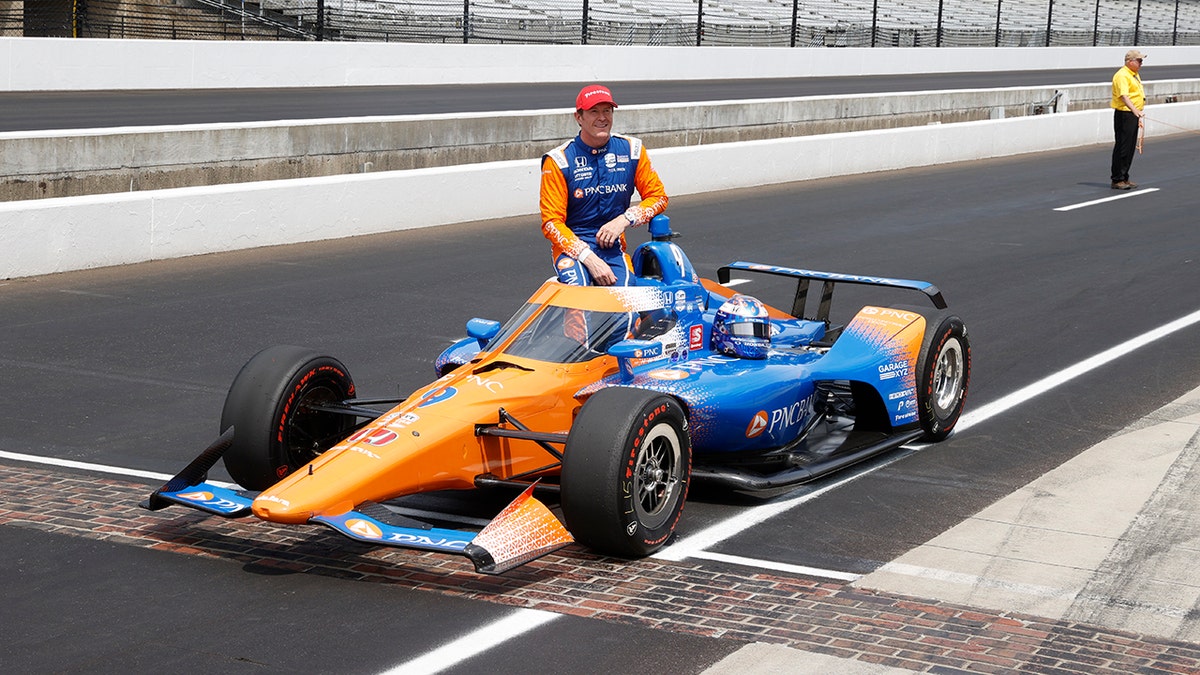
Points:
[364,528]
[757,425]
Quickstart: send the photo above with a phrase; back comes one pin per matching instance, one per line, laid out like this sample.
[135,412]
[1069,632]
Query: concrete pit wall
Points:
[41,165]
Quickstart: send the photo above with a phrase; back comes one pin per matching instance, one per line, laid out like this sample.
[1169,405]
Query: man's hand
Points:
[602,274]
[609,234]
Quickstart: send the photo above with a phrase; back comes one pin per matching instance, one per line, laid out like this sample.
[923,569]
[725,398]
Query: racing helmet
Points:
[741,328]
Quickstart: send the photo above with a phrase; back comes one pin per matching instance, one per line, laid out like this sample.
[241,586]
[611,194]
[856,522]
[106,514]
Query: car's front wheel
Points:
[626,469]
[271,407]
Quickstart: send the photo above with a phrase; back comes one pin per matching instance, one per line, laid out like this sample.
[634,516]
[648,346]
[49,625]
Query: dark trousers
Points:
[1125,131]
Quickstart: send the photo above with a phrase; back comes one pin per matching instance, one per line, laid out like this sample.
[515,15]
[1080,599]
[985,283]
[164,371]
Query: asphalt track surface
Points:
[128,368]
[26,111]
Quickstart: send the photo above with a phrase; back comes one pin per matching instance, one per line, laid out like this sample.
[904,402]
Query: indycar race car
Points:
[615,398]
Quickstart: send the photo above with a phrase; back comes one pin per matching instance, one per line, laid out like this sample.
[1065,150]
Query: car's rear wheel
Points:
[270,406]
[944,371]
[626,469]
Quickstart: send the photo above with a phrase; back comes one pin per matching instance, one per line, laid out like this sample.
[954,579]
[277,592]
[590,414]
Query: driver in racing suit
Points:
[587,187]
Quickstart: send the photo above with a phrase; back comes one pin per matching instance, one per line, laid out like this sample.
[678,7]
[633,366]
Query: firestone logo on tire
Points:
[757,425]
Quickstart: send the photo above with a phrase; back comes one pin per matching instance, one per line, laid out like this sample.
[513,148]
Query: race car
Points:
[615,398]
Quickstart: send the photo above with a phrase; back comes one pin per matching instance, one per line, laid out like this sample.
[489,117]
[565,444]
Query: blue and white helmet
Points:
[741,328]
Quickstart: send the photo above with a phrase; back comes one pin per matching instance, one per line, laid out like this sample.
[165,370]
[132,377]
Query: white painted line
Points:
[1045,384]
[474,643]
[1126,195]
[778,566]
[86,466]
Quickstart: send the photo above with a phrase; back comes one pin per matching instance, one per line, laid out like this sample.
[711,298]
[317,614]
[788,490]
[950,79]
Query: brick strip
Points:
[694,598]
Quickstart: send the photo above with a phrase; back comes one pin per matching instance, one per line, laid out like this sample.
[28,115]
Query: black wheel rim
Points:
[308,432]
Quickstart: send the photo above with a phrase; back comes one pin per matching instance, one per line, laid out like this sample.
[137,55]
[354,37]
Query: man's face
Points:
[595,124]
[1134,64]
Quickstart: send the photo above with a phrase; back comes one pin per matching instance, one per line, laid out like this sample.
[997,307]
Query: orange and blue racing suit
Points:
[582,189]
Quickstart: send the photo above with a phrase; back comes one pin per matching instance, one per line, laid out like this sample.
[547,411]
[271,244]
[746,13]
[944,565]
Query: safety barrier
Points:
[56,235]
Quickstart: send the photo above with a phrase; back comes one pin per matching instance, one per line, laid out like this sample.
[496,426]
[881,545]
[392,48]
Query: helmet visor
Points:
[749,329]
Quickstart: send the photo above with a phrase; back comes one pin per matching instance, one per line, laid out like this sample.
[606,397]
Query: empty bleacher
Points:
[833,23]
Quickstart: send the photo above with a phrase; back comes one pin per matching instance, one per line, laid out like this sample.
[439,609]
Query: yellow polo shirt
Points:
[1128,82]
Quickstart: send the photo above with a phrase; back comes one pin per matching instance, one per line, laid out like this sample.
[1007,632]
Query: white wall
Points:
[55,235]
[29,64]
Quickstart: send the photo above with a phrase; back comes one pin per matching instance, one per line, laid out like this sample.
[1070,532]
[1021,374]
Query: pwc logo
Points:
[757,425]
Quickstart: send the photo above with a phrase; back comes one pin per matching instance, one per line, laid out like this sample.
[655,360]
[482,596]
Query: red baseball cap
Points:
[592,96]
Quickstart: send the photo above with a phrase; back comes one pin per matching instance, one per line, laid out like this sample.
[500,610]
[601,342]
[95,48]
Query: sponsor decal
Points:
[376,436]
[758,424]
[593,190]
[680,300]
[893,370]
[364,528]
[210,500]
[578,193]
[491,385]
[438,396]
[696,337]
[569,276]
[273,499]
[903,393]
[564,262]
[199,496]
[610,160]
[669,375]
[400,420]
[430,542]
[698,365]
[580,161]
[783,419]
[891,313]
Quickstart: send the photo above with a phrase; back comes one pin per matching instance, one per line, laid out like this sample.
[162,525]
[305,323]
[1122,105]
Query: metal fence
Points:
[778,23]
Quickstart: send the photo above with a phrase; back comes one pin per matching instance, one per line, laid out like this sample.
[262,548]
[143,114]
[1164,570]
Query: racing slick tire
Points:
[943,373]
[626,470]
[274,431]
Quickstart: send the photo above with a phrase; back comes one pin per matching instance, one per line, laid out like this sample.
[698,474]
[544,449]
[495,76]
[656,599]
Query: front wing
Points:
[525,530]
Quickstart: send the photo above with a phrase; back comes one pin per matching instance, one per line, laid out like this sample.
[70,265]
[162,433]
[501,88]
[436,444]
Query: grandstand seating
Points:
[732,22]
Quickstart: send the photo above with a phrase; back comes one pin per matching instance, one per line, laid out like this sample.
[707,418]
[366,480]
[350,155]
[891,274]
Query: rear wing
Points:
[828,281]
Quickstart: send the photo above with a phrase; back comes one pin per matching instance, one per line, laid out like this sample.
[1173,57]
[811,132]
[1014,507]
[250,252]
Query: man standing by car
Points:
[586,191]
[1128,102]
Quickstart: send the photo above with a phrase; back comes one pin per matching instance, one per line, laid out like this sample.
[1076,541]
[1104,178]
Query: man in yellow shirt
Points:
[1128,102]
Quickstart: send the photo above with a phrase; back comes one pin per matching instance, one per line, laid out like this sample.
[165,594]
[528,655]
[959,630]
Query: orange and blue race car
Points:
[613,398]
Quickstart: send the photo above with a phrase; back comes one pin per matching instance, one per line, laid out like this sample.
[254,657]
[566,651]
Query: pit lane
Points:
[129,367]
